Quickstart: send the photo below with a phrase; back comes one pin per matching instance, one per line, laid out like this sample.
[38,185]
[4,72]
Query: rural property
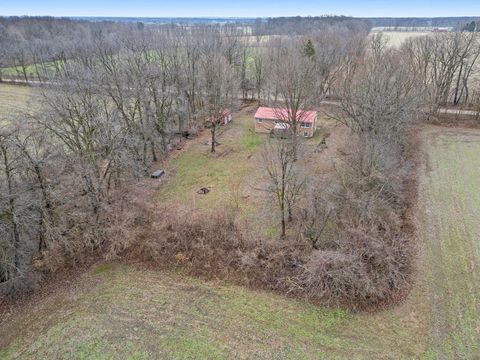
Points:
[239,188]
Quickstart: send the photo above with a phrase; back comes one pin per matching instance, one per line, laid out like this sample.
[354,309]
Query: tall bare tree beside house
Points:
[260,71]
[295,78]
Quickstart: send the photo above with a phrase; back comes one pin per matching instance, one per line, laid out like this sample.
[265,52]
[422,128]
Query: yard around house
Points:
[118,311]
[233,168]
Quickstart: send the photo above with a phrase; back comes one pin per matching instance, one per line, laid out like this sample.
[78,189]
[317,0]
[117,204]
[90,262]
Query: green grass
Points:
[103,268]
[223,172]
[251,140]
[30,70]
[452,204]
[128,313]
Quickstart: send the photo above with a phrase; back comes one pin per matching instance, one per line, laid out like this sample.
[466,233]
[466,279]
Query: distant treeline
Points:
[168,20]
[38,45]
[453,22]
[33,40]
[303,25]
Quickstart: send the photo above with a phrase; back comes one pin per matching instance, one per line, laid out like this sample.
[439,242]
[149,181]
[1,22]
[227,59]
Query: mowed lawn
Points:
[450,202]
[231,173]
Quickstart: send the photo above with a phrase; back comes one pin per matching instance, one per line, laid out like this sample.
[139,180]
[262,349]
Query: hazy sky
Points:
[245,8]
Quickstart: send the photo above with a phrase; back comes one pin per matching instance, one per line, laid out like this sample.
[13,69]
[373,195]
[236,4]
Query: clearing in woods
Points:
[123,312]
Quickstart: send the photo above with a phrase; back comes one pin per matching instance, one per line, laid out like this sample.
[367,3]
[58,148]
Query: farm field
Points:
[121,312]
[450,204]
[126,312]
[15,99]
[397,38]
[31,72]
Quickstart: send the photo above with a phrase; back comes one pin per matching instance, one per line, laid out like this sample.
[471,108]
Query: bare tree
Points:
[295,79]
[379,104]
[260,71]
[445,63]
[34,157]
[10,227]
[286,184]
[218,86]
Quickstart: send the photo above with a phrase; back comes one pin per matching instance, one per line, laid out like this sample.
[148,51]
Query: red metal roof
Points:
[283,114]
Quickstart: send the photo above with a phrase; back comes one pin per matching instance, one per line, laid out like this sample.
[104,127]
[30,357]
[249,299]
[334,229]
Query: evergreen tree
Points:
[309,50]
[470,27]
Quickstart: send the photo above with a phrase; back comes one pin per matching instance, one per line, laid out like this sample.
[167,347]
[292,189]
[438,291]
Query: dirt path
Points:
[449,209]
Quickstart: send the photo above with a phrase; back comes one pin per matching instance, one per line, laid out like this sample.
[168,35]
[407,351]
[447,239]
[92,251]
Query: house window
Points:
[305,125]
[305,134]
[259,120]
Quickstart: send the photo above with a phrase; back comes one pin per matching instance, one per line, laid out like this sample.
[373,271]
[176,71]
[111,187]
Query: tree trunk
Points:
[46,213]
[12,209]
[154,153]
[213,130]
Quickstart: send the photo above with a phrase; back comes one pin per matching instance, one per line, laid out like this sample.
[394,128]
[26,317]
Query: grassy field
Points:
[17,71]
[14,100]
[451,208]
[397,38]
[122,312]
[118,312]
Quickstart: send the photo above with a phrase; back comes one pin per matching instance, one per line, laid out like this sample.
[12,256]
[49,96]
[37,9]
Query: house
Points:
[267,121]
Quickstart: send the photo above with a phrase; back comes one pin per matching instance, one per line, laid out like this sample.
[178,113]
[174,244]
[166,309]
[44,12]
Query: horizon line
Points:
[243,17]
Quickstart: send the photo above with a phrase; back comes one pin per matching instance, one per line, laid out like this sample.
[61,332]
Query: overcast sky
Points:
[244,8]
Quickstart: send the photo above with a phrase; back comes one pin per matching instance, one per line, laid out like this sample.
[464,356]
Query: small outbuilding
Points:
[157,174]
[227,116]
[223,118]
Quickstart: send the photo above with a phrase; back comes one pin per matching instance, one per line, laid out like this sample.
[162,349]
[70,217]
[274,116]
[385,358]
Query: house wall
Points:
[309,132]
[266,126]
